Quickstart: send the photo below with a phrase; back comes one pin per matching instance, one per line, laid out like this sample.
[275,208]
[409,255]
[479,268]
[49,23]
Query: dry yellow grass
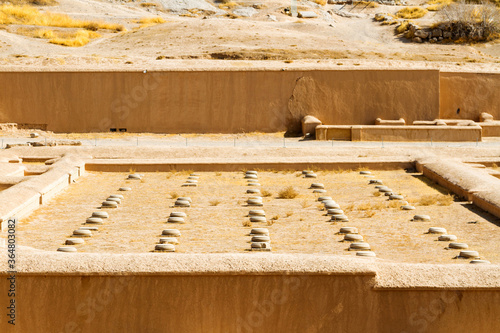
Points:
[148,4]
[436,5]
[265,193]
[228,5]
[29,15]
[403,27]
[305,204]
[288,193]
[73,39]
[439,199]
[320,2]
[150,21]
[214,202]
[411,12]
[369,4]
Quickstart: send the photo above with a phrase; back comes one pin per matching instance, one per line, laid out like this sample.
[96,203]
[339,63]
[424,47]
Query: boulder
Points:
[421,34]
[271,17]
[437,33]
[309,124]
[417,40]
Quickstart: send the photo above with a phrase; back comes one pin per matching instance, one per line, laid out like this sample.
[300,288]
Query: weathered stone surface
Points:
[245,11]
[437,33]
[307,14]
[309,124]
[421,34]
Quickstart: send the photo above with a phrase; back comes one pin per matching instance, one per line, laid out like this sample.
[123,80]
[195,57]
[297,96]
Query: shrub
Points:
[471,21]
[265,193]
[403,27]
[288,193]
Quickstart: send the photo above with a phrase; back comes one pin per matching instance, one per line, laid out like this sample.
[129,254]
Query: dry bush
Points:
[288,214]
[370,213]
[403,27]
[270,222]
[288,193]
[275,218]
[377,194]
[247,223]
[348,208]
[148,4]
[393,204]
[214,202]
[411,13]
[174,195]
[304,203]
[218,174]
[471,21]
[265,193]
[382,17]
[320,2]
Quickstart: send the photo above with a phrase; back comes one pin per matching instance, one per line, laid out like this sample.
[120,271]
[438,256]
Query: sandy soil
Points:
[215,221]
[200,41]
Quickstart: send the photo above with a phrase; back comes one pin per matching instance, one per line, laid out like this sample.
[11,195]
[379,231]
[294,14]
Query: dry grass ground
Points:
[218,214]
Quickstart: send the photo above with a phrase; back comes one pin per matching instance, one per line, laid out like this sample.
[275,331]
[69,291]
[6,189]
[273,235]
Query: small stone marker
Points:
[165,248]
[67,249]
[171,233]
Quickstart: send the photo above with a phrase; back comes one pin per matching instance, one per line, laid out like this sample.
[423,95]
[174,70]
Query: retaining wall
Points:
[243,302]
[239,100]
[214,101]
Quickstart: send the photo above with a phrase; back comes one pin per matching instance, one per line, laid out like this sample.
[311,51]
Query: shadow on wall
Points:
[308,98]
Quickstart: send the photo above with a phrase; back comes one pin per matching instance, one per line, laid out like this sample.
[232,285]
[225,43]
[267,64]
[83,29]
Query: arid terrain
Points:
[211,35]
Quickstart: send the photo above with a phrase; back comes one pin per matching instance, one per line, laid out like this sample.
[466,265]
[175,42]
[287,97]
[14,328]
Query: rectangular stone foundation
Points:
[400,133]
